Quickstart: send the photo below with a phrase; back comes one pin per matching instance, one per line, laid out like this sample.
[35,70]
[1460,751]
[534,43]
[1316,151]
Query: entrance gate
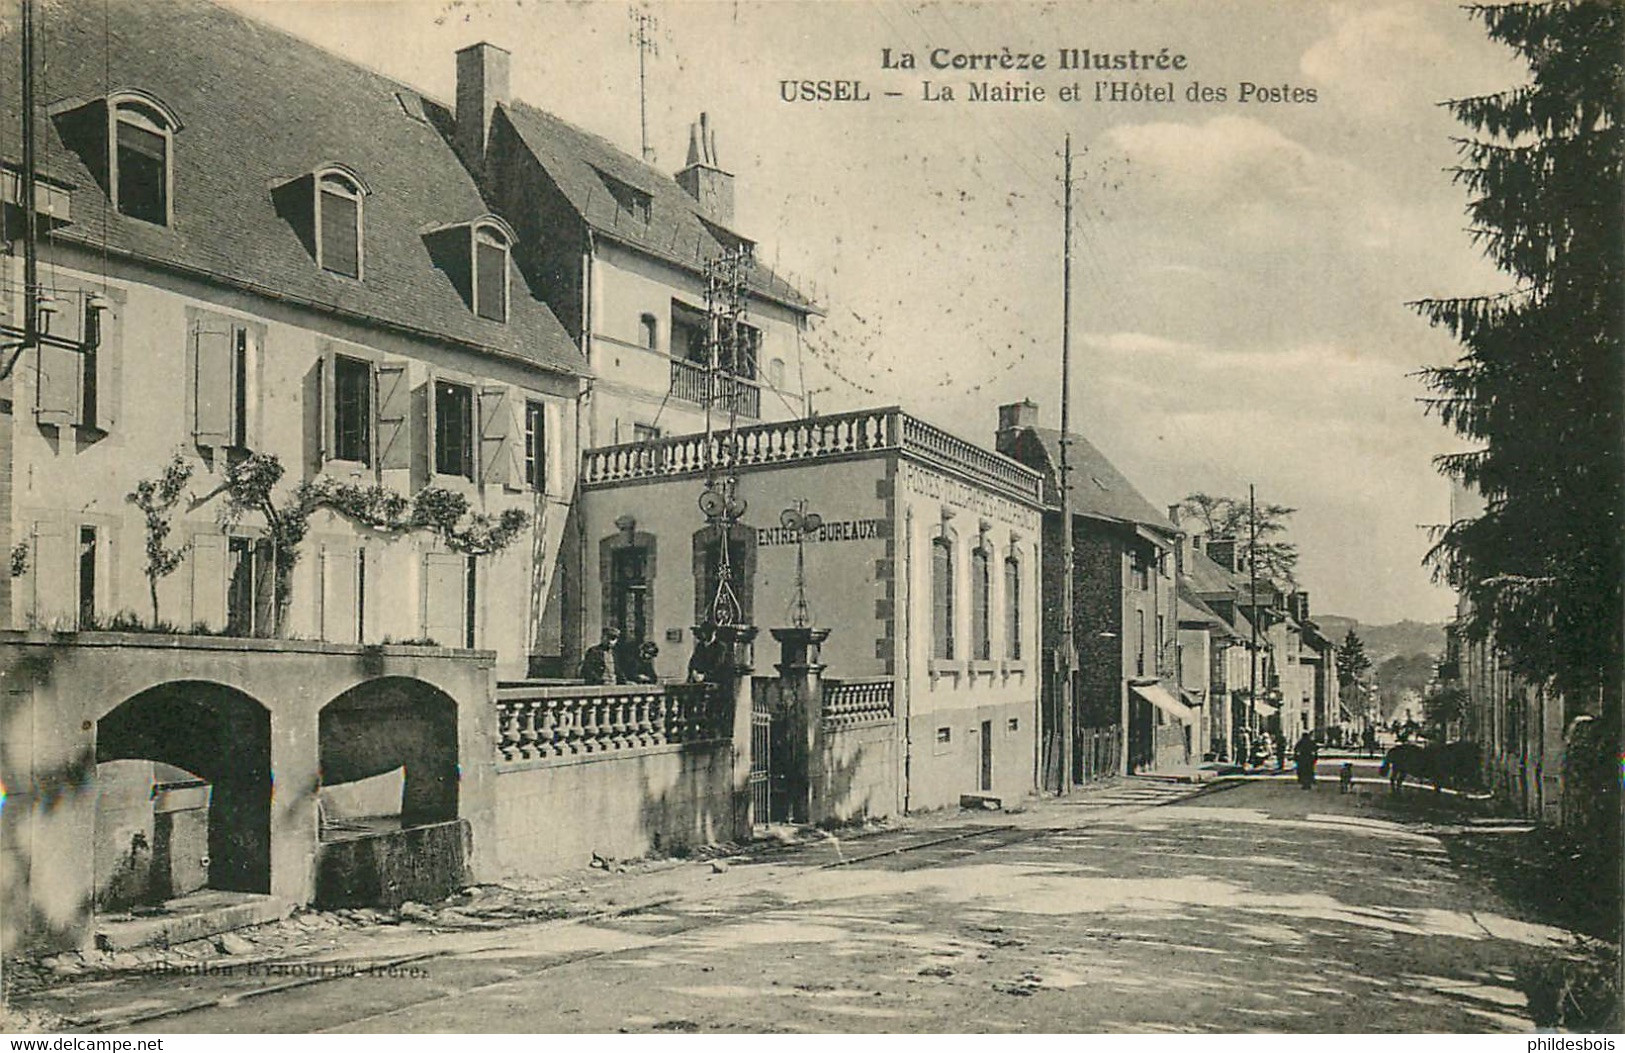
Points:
[761,758]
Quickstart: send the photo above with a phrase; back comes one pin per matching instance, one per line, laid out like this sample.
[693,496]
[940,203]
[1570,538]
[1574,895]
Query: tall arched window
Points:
[1012,607]
[942,598]
[490,283]
[649,332]
[142,156]
[339,223]
[981,640]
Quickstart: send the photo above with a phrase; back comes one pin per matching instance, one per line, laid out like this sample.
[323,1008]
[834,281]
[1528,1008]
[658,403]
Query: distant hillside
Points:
[1382,642]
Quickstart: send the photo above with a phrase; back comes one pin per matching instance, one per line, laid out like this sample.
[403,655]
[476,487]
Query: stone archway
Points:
[187,735]
[390,725]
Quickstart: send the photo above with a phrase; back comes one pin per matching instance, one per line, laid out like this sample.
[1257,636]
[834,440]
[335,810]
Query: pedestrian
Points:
[1369,740]
[705,665]
[598,665]
[1306,753]
[643,672]
[1280,751]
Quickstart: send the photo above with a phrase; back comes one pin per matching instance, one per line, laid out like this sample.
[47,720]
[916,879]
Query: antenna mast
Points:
[644,26]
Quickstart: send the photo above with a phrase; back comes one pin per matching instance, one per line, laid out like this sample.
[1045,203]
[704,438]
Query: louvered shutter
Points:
[214,386]
[339,595]
[394,415]
[58,396]
[324,407]
[515,457]
[208,559]
[496,435]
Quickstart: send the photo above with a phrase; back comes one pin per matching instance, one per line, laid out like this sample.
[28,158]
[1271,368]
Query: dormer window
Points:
[338,222]
[142,158]
[490,272]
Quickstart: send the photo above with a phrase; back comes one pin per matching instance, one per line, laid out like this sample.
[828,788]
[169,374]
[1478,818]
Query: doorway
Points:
[986,783]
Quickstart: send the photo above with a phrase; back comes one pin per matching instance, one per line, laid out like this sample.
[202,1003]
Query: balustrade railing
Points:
[853,703]
[810,439]
[543,723]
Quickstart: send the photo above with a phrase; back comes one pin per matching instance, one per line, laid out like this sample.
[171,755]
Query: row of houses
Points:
[338,422]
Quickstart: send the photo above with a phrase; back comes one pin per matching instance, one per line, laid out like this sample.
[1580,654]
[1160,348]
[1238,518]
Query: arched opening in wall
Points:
[183,782]
[388,755]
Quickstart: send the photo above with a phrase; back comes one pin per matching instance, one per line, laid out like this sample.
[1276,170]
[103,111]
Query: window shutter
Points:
[57,398]
[443,596]
[394,403]
[208,559]
[496,435]
[109,369]
[551,432]
[264,589]
[326,404]
[213,383]
[339,595]
[515,457]
[55,594]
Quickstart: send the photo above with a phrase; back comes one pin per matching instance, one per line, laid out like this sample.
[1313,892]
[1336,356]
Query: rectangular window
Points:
[707,587]
[535,446]
[1141,571]
[142,166]
[645,433]
[1012,608]
[88,366]
[222,384]
[352,410]
[1139,653]
[1161,626]
[491,266]
[942,599]
[87,576]
[453,429]
[249,587]
[341,244]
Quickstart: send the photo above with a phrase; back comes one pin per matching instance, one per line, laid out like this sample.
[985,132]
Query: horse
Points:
[1452,763]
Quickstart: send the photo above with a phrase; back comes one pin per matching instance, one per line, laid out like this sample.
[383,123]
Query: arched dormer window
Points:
[339,221]
[141,156]
[490,284]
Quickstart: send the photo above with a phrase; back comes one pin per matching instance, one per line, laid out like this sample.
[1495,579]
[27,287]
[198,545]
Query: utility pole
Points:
[1252,601]
[643,26]
[30,219]
[1068,654]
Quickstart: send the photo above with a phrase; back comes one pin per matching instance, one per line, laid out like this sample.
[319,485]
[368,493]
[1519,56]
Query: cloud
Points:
[1377,61]
[1226,159]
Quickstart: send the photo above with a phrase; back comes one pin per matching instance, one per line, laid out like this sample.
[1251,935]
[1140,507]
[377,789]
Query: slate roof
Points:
[678,230]
[259,108]
[1098,488]
[1192,611]
[1207,577]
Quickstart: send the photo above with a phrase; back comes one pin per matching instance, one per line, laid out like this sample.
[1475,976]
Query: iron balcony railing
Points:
[737,395]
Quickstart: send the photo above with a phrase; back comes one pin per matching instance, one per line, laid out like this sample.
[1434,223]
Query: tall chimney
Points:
[482,86]
[1226,553]
[1023,414]
[703,176]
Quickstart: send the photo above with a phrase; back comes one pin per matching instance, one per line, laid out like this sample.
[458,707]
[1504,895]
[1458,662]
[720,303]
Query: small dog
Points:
[1345,778]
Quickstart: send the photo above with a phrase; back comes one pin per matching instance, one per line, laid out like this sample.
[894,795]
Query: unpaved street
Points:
[1139,907]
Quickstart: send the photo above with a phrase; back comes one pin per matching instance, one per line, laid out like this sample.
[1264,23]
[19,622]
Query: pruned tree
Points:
[1231,517]
[157,498]
[1536,391]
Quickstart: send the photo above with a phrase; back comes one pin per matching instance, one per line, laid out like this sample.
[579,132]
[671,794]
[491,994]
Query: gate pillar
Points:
[733,680]
[802,705]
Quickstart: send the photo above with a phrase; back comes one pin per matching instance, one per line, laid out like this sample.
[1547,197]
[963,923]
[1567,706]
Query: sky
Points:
[1241,267]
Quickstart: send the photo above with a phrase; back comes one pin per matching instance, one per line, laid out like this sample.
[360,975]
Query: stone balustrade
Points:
[809,439]
[536,722]
[853,703]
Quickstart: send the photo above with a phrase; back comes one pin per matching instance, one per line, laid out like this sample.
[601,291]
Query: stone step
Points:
[193,917]
[991,802]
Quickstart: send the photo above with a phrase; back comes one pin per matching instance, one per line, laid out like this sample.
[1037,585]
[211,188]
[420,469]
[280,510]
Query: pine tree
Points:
[1537,389]
[1352,661]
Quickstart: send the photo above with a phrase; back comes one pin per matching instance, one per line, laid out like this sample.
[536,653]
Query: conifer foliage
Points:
[1537,390]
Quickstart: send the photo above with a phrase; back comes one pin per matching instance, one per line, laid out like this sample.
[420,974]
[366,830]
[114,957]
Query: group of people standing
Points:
[616,659]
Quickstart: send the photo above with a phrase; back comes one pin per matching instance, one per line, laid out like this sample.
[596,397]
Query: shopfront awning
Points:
[1158,696]
[1191,699]
[1266,709]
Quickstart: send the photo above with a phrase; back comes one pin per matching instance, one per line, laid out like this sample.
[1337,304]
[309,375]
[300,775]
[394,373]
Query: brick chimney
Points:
[703,176]
[1023,414]
[482,86]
